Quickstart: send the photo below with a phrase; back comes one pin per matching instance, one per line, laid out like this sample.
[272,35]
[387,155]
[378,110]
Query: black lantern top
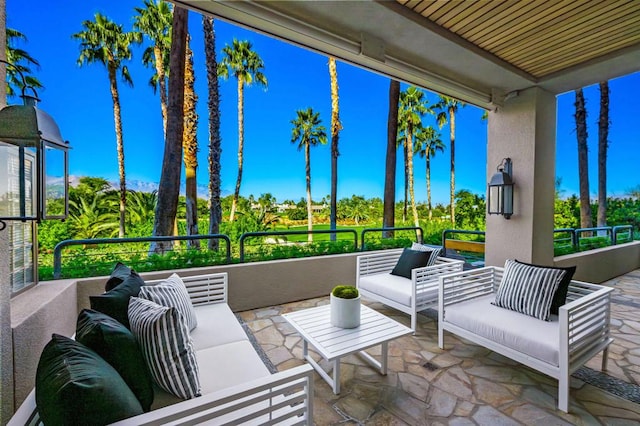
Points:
[27,125]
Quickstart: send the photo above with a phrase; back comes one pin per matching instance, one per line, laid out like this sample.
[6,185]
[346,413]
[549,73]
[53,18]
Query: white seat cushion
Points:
[390,286]
[229,365]
[217,325]
[534,337]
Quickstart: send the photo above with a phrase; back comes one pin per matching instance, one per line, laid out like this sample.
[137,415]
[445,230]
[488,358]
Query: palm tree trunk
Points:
[412,196]
[389,208]
[603,136]
[452,188]
[336,126]
[429,208]
[406,180]
[117,118]
[162,82]
[236,192]
[307,159]
[215,208]
[169,187]
[583,164]
[190,143]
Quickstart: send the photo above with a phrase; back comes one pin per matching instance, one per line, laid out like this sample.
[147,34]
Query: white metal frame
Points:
[285,397]
[583,326]
[424,280]
[334,343]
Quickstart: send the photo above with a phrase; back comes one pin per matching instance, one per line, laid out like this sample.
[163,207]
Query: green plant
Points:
[345,292]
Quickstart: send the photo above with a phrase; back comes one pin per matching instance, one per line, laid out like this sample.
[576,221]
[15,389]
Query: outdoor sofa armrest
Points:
[585,324]
[460,286]
[286,396]
[379,262]
[205,289]
[430,274]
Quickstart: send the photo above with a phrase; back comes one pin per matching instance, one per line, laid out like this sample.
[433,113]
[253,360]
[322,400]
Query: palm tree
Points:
[336,126]
[448,107]
[169,187]
[154,21]
[215,207]
[603,136]
[104,41]
[308,131]
[22,62]
[190,144]
[388,216]
[247,66]
[90,218]
[583,163]
[141,206]
[427,143]
[413,106]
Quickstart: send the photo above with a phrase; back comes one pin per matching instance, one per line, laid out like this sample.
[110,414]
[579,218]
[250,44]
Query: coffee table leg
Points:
[383,358]
[336,376]
[334,379]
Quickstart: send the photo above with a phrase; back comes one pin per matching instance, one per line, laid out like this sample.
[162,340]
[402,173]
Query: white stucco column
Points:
[524,129]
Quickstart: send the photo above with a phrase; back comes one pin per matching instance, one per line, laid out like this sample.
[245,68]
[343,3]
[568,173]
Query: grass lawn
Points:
[321,227]
[341,236]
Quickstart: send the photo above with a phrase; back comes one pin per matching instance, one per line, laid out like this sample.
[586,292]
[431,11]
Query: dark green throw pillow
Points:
[560,296]
[74,386]
[115,302]
[410,259]
[116,345]
[119,273]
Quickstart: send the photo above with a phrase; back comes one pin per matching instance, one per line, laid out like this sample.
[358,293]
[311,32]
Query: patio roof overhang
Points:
[478,52]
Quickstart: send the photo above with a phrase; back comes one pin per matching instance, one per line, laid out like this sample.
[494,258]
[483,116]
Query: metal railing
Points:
[263,234]
[572,237]
[57,251]
[472,250]
[417,229]
[617,230]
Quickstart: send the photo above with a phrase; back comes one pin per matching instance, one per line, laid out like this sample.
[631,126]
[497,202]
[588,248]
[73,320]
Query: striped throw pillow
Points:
[435,251]
[172,293]
[528,289]
[166,346]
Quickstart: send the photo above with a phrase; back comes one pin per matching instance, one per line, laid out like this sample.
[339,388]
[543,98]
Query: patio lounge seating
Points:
[375,281]
[236,385]
[556,347]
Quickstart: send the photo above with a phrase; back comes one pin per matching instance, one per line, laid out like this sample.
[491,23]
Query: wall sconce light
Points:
[500,193]
[34,163]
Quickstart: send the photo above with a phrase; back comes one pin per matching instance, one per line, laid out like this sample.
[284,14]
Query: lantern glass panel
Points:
[55,193]
[494,199]
[508,200]
[17,194]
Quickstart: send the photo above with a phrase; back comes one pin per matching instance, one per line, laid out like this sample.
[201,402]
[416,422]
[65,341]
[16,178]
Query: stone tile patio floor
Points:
[463,384]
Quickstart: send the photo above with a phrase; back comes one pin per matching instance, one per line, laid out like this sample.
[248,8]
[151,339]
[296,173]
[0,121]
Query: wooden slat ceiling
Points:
[541,37]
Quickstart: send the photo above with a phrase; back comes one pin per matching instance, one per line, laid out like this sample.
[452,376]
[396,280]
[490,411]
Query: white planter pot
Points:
[345,313]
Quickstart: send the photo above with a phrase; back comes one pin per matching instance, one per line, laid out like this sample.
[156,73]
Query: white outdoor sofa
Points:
[237,388]
[556,348]
[375,281]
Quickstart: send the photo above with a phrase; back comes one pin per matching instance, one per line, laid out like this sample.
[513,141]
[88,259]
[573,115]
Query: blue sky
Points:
[80,101]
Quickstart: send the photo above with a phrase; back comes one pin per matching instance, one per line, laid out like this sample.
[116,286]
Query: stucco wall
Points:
[36,314]
[603,264]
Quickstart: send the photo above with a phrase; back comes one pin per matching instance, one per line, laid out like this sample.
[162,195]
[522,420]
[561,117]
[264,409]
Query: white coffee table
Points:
[334,343]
